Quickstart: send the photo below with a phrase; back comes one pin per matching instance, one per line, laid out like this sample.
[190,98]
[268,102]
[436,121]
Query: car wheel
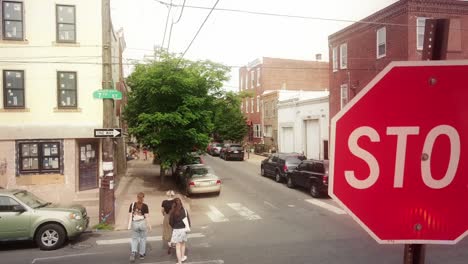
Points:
[50,237]
[314,190]
[278,177]
[262,171]
[289,182]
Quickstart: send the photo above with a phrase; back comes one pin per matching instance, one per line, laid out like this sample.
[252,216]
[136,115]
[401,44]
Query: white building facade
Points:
[303,124]
[51,64]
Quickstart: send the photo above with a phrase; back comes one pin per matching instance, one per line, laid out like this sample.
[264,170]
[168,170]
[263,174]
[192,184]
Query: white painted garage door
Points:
[287,140]
[312,139]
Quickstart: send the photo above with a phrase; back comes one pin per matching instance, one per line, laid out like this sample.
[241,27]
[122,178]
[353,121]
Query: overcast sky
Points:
[235,39]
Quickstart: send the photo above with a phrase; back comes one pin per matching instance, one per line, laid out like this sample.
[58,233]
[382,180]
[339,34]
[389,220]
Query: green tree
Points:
[170,106]
[229,122]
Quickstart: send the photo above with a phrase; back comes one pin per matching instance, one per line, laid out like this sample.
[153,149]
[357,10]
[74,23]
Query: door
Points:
[270,164]
[312,139]
[287,140]
[13,225]
[296,175]
[88,159]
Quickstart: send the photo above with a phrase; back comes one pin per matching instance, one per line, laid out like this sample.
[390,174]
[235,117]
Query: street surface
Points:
[254,220]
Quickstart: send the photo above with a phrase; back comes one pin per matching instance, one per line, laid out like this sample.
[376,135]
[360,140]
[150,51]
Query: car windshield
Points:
[294,160]
[218,145]
[30,199]
[200,172]
[236,147]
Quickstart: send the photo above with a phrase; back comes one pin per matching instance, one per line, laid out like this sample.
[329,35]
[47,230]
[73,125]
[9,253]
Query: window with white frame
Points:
[257,129]
[12,20]
[246,85]
[258,104]
[247,105]
[344,95]
[381,42]
[268,130]
[420,27]
[252,101]
[335,59]
[344,56]
[252,78]
[258,76]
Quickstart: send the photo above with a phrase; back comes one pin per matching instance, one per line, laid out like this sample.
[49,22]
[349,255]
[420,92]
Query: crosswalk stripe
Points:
[324,205]
[244,211]
[216,261]
[151,238]
[215,215]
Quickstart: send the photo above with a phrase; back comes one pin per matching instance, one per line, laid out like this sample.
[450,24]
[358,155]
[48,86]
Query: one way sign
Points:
[107,132]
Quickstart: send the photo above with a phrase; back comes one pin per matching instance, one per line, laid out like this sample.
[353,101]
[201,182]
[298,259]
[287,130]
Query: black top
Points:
[138,211]
[167,205]
[176,221]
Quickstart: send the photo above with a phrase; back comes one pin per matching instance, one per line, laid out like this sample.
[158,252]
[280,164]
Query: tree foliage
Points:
[170,107]
[229,122]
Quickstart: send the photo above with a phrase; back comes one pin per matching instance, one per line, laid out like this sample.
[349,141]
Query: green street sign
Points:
[107,94]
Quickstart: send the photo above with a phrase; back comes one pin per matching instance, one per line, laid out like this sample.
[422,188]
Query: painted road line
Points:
[244,211]
[216,261]
[270,204]
[324,205]
[215,215]
[151,238]
[62,257]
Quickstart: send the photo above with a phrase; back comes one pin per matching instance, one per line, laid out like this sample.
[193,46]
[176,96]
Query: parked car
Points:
[23,216]
[310,174]
[215,149]
[278,165]
[190,159]
[200,178]
[233,151]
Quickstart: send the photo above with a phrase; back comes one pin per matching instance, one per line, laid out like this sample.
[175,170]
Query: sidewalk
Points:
[254,158]
[142,176]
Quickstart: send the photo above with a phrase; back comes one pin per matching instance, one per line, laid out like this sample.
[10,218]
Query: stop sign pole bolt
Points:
[418,227]
[425,157]
[432,81]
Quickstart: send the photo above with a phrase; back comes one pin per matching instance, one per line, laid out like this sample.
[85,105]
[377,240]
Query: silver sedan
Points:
[200,178]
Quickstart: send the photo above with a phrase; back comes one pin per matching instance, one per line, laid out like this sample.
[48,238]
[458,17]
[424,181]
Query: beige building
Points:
[51,65]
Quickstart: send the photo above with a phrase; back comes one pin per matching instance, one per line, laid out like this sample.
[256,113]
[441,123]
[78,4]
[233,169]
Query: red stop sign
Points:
[399,153]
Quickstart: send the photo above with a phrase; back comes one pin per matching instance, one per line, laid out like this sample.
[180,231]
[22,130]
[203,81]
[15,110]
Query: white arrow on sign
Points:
[115,132]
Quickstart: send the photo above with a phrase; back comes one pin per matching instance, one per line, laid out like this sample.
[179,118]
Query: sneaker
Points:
[142,256]
[132,257]
[184,258]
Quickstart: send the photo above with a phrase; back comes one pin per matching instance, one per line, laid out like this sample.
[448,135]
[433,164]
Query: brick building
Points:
[276,74]
[396,33]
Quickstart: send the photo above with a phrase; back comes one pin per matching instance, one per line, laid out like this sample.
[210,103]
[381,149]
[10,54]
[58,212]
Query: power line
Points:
[181,12]
[191,42]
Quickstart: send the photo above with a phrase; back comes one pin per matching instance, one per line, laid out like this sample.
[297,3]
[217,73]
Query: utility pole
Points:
[106,190]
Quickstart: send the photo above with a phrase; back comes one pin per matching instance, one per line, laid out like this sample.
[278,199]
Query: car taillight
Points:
[285,168]
[218,182]
[192,184]
[325,179]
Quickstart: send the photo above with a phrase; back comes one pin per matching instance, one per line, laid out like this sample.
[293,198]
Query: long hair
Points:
[176,207]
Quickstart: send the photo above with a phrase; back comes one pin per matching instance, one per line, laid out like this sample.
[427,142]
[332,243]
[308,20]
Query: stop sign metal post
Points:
[397,152]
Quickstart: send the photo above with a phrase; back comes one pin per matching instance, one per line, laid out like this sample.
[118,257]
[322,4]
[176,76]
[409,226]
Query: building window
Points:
[66,24]
[13,89]
[258,104]
[266,109]
[12,20]
[67,91]
[335,59]
[381,42]
[343,56]
[252,78]
[246,81]
[420,27]
[344,95]
[252,101]
[39,157]
[268,131]
[247,105]
[257,131]
[258,76]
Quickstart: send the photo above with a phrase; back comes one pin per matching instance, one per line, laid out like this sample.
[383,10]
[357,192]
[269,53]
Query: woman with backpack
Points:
[139,223]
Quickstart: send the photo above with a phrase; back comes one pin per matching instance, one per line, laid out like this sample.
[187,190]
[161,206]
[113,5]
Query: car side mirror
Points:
[18,209]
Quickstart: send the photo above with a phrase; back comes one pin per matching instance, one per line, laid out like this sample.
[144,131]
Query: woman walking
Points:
[166,207]
[139,223]
[178,216]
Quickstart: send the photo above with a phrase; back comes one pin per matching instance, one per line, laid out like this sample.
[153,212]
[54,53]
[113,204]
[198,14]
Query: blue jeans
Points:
[139,236]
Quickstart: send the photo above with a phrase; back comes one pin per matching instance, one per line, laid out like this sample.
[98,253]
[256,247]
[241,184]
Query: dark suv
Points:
[278,165]
[233,151]
[310,174]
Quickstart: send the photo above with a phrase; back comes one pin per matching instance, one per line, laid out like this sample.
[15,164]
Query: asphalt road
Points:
[254,220]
